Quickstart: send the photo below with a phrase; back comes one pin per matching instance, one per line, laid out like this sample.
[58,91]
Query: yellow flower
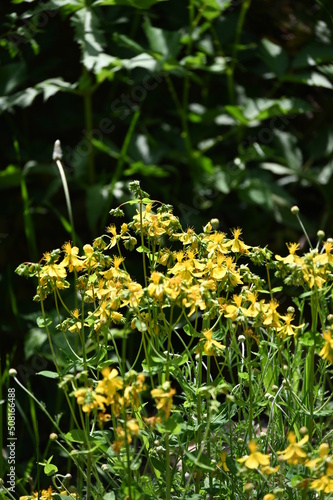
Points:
[287,329]
[222,463]
[211,345]
[294,453]
[292,257]
[46,495]
[234,311]
[255,459]
[324,483]
[268,470]
[163,396]
[323,453]
[133,426]
[327,351]
[236,244]
[110,383]
[269,496]
[89,399]
[272,317]
[71,260]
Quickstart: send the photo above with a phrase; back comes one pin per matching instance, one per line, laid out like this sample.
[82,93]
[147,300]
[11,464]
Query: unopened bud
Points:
[57,151]
[320,234]
[304,430]
[294,210]
[53,436]
[248,486]
[215,223]
[12,372]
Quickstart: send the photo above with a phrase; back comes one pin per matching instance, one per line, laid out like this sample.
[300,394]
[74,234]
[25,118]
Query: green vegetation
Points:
[222,109]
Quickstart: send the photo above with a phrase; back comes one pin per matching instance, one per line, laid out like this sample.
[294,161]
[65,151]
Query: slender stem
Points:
[231,70]
[88,121]
[67,197]
[120,163]
[249,368]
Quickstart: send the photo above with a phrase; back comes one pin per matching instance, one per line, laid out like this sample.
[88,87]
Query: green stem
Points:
[88,121]
[67,198]
[231,69]
[120,163]
[249,369]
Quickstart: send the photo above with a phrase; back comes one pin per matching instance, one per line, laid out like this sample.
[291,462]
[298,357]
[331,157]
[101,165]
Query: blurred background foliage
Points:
[222,108]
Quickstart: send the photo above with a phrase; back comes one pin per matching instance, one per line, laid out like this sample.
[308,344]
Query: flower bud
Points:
[320,234]
[304,430]
[12,372]
[215,223]
[53,436]
[294,210]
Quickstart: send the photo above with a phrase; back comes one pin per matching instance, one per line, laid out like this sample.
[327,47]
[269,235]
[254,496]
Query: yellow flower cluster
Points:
[257,460]
[313,269]
[46,494]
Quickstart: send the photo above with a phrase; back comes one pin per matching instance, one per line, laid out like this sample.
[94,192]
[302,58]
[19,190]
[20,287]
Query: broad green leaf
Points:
[10,177]
[12,76]
[48,374]
[50,469]
[88,35]
[141,168]
[211,9]
[287,143]
[143,60]
[76,436]
[109,496]
[312,54]
[257,191]
[137,4]
[44,322]
[274,56]
[54,85]
[23,99]
[237,113]
[127,42]
[164,42]
[313,79]
[243,375]
[202,462]
[276,168]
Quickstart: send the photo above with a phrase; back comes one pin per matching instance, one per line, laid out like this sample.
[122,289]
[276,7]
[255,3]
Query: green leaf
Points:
[203,462]
[53,85]
[10,177]
[76,436]
[287,144]
[43,323]
[257,191]
[243,375]
[312,54]
[211,9]
[89,36]
[313,79]
[137,4]
[307,339]
[109,496]
[50,469]
[164,42]
[12,76]
[48,374]
[141,168]
[274,56]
